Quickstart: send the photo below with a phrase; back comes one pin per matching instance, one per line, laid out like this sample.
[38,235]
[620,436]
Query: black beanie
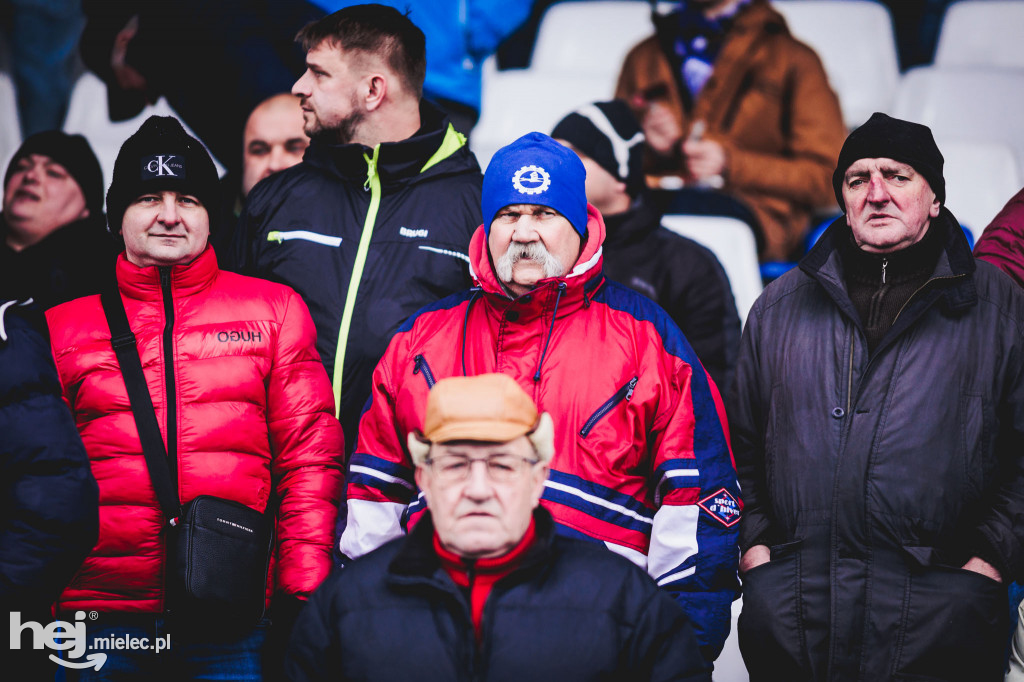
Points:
[885,137]
[161,156]
[608,133]
[75,155]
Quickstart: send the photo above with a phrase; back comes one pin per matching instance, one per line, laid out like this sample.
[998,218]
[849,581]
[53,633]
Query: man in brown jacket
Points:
[729,99]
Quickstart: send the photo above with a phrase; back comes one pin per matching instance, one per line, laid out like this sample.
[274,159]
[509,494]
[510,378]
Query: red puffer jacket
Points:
[241,398]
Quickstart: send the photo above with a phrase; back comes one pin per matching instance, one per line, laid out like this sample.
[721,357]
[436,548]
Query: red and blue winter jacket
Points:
[642,458]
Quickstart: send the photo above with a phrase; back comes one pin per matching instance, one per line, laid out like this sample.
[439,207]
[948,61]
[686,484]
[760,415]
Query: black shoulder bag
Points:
[219,549]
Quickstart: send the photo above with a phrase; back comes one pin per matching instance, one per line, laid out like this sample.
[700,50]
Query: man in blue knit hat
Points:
[642,462]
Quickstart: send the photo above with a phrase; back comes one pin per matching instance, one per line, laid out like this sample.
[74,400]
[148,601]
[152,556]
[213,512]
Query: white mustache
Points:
[534,251]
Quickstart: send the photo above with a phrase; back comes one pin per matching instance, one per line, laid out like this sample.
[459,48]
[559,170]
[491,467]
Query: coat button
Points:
[512,315]
[838,412]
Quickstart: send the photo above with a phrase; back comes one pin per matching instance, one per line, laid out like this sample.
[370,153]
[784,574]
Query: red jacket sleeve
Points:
[308,451]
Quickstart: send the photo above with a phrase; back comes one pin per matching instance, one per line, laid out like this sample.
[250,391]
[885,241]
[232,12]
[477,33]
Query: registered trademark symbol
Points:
[93,615]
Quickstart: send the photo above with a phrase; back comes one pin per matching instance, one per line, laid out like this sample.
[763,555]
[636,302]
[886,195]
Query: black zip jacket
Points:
[74,260]
[874,476]
[682,277]
[571,610]
[417,203]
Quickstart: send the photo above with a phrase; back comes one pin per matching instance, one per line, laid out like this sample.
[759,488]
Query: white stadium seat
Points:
[980,178]
[590,37]
[970,104]
[519,101]
[732,241]
[10,130]
[982,33]
[857,46]
[88,116]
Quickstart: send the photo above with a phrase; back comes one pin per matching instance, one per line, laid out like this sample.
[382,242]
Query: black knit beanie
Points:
[885,137]
[608,133]
[75,155]
[161,156]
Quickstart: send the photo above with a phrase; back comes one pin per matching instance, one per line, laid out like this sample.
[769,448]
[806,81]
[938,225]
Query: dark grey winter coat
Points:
[874,478]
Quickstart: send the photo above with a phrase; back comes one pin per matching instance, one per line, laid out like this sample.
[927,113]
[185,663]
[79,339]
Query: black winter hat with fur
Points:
[75,155]
[609,134]
[161,156]
[885,137]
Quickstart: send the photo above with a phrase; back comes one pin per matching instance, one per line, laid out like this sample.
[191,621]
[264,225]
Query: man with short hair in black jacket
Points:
[679,274]
[482,588]
[375,222]
[878,427]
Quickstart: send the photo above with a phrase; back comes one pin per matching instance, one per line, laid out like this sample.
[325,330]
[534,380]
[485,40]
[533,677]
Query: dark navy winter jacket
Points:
[571,610]
[49,518]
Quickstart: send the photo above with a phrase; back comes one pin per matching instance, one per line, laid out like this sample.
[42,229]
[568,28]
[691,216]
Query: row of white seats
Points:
[581,45]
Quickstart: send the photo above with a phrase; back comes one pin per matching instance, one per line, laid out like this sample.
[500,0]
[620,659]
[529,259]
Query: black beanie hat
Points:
[608,133]
[161,156]
[885,137]
[75,155]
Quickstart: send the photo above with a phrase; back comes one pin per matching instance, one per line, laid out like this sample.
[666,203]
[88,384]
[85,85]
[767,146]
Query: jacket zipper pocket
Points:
[305,235]
[624,393]
[422,366]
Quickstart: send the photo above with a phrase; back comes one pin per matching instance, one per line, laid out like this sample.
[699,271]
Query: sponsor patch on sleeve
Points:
[722,506]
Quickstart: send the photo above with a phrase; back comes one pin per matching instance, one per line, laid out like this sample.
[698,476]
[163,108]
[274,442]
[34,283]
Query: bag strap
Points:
[123,341]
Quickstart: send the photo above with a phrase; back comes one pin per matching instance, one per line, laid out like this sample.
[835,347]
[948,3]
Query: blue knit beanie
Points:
[536,170]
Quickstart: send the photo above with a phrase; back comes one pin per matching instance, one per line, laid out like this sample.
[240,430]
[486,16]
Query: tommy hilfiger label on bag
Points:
[235,525]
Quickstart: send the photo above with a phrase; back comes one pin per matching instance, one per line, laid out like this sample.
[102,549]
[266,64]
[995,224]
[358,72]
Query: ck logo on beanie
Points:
[531,180]
[163,166]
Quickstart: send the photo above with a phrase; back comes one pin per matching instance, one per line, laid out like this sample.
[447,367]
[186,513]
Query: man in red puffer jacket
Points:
[242,400]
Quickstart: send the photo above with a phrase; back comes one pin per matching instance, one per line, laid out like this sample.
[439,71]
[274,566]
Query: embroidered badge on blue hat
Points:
[722,506]
[531,180]
[536,170]
[163,166]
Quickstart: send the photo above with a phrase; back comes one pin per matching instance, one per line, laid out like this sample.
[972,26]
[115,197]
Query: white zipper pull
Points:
[885,263]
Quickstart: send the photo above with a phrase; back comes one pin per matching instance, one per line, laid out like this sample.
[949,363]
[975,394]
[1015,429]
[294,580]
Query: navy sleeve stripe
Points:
[446,303]
[386,467]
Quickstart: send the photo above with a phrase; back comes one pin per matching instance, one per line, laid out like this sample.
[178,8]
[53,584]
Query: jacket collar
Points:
[143,283]
[633,225]
[418,562]
[951,279]
[435,141]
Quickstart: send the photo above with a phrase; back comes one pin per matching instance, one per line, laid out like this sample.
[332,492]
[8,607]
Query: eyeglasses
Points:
[500,468]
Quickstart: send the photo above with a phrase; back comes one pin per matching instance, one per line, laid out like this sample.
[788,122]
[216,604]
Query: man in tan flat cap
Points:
[556,607]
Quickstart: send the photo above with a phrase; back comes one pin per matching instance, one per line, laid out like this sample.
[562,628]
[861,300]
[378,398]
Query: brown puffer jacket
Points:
[769,103]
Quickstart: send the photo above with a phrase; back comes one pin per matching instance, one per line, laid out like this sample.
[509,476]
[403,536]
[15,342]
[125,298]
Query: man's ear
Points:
[541,475]
[934,209]
[376,91]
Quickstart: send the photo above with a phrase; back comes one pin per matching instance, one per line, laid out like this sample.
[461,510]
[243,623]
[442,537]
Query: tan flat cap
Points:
[488,407]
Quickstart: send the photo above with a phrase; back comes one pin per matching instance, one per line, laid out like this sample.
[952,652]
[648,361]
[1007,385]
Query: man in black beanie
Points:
[877,420]
[54,246]
[679,274]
